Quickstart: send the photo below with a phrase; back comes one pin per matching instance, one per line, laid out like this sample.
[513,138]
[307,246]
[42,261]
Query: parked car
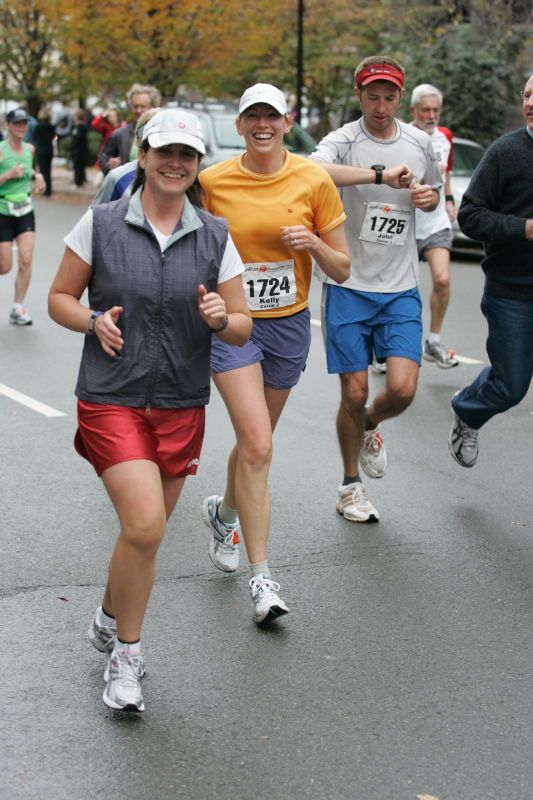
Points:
[222,140]
[466,156]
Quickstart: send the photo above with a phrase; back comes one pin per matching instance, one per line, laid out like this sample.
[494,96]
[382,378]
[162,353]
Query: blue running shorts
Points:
[356,324]
[281,344]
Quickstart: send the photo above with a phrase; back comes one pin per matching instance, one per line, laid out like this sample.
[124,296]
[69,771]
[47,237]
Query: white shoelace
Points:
[372,442]
[265,586]
[468,435]
[126,669]
[355,496]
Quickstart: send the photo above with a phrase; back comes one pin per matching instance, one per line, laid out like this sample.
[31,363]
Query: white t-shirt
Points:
[80,240]
[380,228]
[427,224]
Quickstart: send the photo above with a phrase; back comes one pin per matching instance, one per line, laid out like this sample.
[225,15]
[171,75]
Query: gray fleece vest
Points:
[165,359]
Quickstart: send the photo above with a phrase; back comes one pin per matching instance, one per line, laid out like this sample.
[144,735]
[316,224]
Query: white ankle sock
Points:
[434,338]
[103,619]
[134,649]
[261,568]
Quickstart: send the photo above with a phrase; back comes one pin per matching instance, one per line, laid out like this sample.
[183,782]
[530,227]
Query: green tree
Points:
[479,81]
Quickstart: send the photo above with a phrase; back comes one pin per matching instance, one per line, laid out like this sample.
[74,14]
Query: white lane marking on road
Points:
[460,359]
[29,402]
[466,360]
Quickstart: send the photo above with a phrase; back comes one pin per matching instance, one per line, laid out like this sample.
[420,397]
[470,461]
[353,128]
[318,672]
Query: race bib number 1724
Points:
[269,285]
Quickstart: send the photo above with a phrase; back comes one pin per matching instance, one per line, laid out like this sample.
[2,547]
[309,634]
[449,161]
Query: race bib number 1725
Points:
[385,223]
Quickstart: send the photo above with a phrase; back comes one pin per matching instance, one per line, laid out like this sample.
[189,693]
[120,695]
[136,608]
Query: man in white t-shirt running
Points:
[434,235]
[379,307]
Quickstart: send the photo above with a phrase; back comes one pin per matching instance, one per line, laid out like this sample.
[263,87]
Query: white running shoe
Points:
[354,505]
[101,636]
[373,456]
[224,539]
[141,667]
[123,687]
[378,366]
[20,316]
[266,603]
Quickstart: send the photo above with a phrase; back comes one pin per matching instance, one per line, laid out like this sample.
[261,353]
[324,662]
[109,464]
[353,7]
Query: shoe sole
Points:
[450,445]
[207,522]
[130,707]
[20,324]
[370,519]
[439,363]
[274,612]
[369,473]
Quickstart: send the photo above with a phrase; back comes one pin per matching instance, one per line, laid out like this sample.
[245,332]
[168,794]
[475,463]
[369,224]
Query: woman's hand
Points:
[110,336]
[298,237]
[212,308]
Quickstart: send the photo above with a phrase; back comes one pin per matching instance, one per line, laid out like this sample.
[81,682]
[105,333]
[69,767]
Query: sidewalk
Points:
[63,186]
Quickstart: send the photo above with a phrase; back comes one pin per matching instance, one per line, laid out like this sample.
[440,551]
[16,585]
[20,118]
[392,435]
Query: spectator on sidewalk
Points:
[79,149]
[121,146]
[44,137]
[105,124]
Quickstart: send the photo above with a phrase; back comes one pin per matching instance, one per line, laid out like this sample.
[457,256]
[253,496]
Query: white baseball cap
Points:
[174,126]
[263,93]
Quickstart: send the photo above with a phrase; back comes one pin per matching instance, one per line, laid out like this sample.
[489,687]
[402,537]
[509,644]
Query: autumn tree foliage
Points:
[28,60]
[75,49]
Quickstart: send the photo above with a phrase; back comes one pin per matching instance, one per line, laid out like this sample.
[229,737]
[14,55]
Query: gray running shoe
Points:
[123,687]
[223,539]
[20,316]
[101,636]
[267,605]
[435,351]
[354,505]
[373,455]
[462,441]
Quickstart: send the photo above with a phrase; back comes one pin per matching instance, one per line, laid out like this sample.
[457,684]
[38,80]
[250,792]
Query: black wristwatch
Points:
[92,320]
[379,171]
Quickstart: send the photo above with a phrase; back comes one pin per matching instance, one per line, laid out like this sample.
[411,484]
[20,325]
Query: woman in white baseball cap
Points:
[163,279]
[283,211]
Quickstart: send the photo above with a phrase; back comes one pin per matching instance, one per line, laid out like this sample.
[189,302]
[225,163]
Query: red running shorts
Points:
[171,437]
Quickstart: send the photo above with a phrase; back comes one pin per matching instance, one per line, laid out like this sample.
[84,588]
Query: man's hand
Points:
[398,177]
[423,196]
[113,162]
[451,210]
[529,230]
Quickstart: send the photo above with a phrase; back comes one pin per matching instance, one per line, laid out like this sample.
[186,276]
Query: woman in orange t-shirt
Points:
[276,204]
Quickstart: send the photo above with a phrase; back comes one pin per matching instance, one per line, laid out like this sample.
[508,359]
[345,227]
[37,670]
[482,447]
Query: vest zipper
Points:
[154,370]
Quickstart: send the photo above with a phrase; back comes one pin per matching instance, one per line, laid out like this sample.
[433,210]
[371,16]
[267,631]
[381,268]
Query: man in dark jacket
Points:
[121,146]
[497,209]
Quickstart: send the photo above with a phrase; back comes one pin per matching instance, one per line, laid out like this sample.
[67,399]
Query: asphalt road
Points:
[404,667]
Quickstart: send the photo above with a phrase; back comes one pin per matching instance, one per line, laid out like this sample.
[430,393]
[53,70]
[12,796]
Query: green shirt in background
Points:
[15,194]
